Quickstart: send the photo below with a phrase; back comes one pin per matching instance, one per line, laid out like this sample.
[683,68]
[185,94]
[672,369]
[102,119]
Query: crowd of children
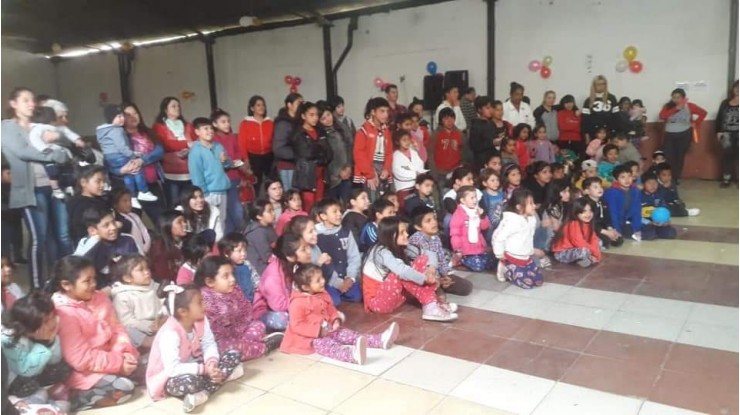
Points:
[374,215]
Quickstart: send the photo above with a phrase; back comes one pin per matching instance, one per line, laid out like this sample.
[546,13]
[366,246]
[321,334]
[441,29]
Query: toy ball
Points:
[661,215]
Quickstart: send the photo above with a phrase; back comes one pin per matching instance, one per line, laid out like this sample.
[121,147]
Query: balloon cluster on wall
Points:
[294,82]
[542,67]
[379,83]
[629,61]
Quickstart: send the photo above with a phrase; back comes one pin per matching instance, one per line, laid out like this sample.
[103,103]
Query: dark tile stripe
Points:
[708,234]
[623,364]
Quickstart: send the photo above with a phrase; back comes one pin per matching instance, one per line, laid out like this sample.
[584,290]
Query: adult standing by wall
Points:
[146,142]
[177,137]
[516,111]
[452,100]
[285,125]
[547,115]
[396,109]
[30,184]
[680,117]
[467,105]
[727,134]
[255,138]
[599,109]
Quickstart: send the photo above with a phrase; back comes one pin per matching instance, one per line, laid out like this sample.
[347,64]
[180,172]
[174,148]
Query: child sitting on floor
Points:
[93,341]
[466,231]
[292,207]
[669,192]
[652,197]
[194,249]
[354,218]
[380,209]
[387,279]
[136,301]
[493,199]
[607,164]
[30,344]
[316,327]
[185,361]
[422,196]
[233,246]
[576,240]
[511,179]
[230,313]
[130,221]
[513,242]
[272,297]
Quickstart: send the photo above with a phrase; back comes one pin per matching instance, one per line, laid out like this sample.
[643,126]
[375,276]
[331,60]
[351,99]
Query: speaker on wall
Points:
[433,85]
[456,78]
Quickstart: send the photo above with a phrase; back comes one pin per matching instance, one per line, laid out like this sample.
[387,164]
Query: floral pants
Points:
[182,385]
[335,344]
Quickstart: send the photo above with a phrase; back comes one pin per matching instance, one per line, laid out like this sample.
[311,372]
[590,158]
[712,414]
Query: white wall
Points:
[400,43]
[256,63]
[81,81]
[678,40]
[25,69]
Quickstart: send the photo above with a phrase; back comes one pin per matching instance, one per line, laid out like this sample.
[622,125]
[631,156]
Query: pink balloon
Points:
[535,65]
[288,79]
[379,82]
[297,80]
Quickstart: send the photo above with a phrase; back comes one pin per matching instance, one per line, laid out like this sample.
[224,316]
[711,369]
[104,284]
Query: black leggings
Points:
[261,165]
[675,146]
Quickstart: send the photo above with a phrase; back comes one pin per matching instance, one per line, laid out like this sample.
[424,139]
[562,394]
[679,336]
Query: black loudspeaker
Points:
[458,79]
[433,85]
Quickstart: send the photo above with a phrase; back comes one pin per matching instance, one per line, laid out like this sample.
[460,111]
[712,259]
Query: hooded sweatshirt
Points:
[93,340]
[346,261]
[137,306]
[308,313]
[113,141]
[260,240]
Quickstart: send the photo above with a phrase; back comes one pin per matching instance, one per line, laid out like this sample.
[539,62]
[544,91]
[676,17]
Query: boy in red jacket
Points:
[373,149]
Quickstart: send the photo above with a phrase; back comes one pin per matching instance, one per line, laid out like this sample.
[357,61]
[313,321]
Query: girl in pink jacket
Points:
[184,361]
[466,231]
[93,341]
[230,313]
[272,296]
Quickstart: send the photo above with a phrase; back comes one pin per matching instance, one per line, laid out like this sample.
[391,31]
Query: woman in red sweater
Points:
[255,138]
[576,240]
[177,136]
[681,117]
[569,124]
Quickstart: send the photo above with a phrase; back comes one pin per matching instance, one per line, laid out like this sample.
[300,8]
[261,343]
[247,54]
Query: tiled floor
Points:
[653,330]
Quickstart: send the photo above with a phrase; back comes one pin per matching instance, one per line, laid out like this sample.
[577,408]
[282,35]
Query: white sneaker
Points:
[433,312]
[359,353]
[70,190]
[58,194]
[389,336]
[501,272]
[693,211]
[193,400]
[147,197]
[236,373]
[135,203]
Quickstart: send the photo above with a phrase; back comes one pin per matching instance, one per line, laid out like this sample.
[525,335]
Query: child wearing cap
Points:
[658,158]
[117,152]
[589,168]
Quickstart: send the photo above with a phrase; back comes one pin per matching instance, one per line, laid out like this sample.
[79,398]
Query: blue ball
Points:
[661,215]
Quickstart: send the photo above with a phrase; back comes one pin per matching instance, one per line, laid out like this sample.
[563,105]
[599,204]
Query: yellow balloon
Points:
[630,53]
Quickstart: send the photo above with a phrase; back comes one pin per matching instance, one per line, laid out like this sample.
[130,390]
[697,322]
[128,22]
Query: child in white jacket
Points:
[406,164]
[513,241]
[136,301]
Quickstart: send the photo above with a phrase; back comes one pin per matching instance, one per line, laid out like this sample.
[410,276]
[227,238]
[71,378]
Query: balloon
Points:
[545,72]
[547,60]
[289,79]
[432,67]
[661,215]
[385,84]
[635,66]
[622,65]
[293,89]
[297,80]
[535,65]
[630,53]
[378,82]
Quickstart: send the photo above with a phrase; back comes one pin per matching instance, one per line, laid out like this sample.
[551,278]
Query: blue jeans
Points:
[235,212]
[353,295]
[136,182]
[286,177]
[172,189]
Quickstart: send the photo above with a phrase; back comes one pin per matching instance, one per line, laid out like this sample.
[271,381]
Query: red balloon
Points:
[297,80]
[635,66]
[289,80]
[545,72]
[293,89]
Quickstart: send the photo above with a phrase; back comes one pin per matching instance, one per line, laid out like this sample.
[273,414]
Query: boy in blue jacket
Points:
[669,192]
[652,198]
[206,162]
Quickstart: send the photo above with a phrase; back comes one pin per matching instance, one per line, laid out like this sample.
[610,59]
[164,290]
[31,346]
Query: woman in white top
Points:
[517,111]
[452,100]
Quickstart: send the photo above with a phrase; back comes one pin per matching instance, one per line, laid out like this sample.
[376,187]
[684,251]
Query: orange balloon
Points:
[635,66]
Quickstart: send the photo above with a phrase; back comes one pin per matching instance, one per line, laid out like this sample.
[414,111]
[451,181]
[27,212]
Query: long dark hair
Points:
[286,246]
[67,269]
[518,130]
[732,88]
[252,102]
[192,216]
[566,99]
[670,103]
[14,94]
[27,314]
[165,228]
[388,229]
[142,127]
[576,208]
[208,269]
[289,99]
[162,116]
[553,205]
